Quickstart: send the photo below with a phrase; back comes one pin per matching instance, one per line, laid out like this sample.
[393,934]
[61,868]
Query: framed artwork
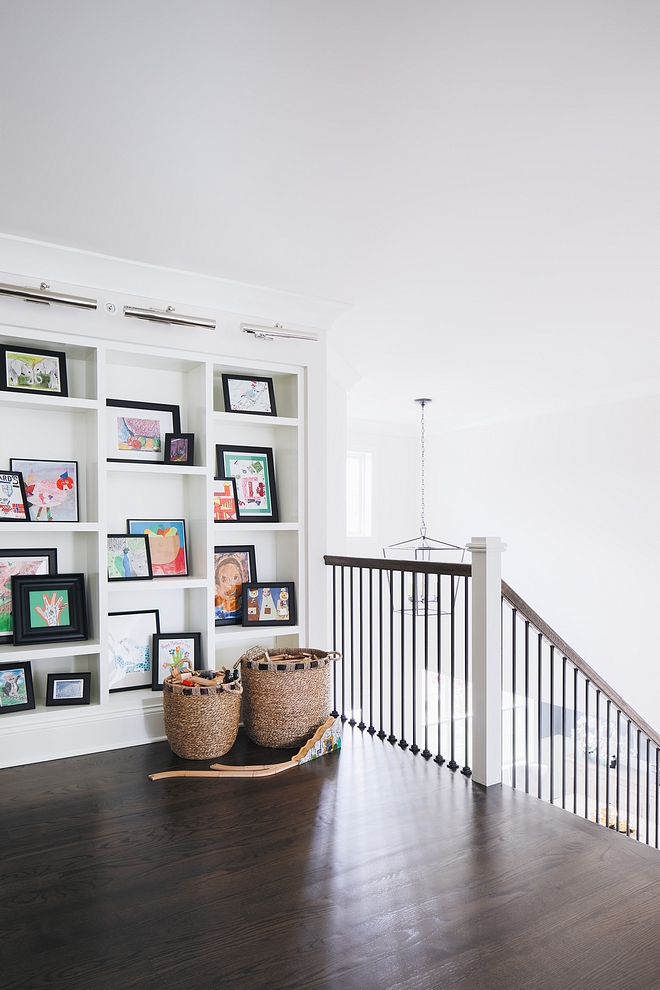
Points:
[135,431]
[33,371]
[13,502]
[16,690]
[233,567]
[247,394]
[270,604]
[48,608]
[69,689]
[23,561]
[179,448]
[170,649]
[167,544]
[253,470]
[51,488]
[129,558]
[225,503]
[129,649]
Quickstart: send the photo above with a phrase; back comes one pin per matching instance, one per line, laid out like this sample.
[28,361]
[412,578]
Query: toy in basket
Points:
[286,694]
[201,710]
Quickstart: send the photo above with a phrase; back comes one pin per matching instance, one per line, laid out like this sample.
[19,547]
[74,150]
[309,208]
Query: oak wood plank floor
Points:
[369,870]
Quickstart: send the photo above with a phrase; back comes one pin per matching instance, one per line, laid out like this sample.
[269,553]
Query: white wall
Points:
[576,496]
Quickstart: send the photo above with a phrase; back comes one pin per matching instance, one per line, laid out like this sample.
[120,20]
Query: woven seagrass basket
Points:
[201,722]
[284,702]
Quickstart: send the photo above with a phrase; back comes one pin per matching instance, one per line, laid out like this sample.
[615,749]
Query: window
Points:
[358,494]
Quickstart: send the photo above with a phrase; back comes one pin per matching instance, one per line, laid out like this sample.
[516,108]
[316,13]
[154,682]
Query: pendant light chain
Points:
[423,526]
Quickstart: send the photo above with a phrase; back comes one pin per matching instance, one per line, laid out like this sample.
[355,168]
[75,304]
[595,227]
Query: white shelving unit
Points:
[102,365]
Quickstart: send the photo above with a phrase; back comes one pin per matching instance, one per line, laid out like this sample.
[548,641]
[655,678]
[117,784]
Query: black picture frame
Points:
[228,559]
[246,478]
[49,590]
[7,557]
[130,633]
[169,417]
[185,441]
[16,690]
[11,488]
[159,567]
[57,686]
[54,479]
[263,393]
[54,365]
[220,503]
[157,670]
[273,587]
[139,569]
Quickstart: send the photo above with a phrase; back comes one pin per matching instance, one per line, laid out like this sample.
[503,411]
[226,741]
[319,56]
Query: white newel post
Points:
[486,658]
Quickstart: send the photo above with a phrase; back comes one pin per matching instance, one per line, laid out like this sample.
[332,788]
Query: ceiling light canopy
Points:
[169,315]
[45,296]
[269,333]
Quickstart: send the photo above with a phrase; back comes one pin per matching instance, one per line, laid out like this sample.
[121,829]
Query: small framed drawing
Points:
[51,489]
[16,690]
[23,561]
[69,689]
[33,371]
[249,394]
[48,608]
[233,567]
[167,544]
[225,503]
[135,431]
[179,448]
[171,649]
[13,502]
[254,472]
[129,558]
[129,649]
[269,604]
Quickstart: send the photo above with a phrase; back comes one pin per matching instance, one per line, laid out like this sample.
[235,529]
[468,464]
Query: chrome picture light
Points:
[269,333]
[169,315]
[46,296]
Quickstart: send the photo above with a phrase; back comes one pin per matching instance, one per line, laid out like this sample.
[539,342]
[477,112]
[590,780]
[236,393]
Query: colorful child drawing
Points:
[138,434]
[49,609]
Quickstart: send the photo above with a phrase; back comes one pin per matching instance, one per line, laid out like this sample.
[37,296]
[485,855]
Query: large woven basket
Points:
[284,702]
[201,722]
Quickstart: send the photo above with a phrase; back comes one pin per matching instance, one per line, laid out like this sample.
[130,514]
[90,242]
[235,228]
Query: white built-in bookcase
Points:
[73,428]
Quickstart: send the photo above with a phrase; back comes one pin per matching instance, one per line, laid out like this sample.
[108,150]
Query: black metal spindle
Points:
[526,706]
[426,752]
[639,739]
[414,748]
[552,724]
[361,723]
[371,730]
[466,656]
[563,732]
[597,753]
[334,711]
[575,705]
[391,738]
[607,768]
[628,726]
[402,741]
[453,765]
[648,790]
[381,670]
[351,628]
[514,616]
[539,717]
[586,747]
[618,766]
[343,644]
[439,758]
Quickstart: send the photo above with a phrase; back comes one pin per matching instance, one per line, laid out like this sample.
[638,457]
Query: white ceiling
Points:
[478,179]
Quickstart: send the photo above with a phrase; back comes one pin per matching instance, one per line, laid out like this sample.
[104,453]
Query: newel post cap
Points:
[481,544]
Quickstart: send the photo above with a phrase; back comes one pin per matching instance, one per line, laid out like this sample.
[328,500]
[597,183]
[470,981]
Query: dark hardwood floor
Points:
[369,870]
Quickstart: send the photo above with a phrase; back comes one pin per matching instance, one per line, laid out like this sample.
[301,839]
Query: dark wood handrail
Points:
[555,640]
[383,564]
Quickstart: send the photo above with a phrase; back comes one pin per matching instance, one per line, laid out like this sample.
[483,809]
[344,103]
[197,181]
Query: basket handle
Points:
[333,655]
